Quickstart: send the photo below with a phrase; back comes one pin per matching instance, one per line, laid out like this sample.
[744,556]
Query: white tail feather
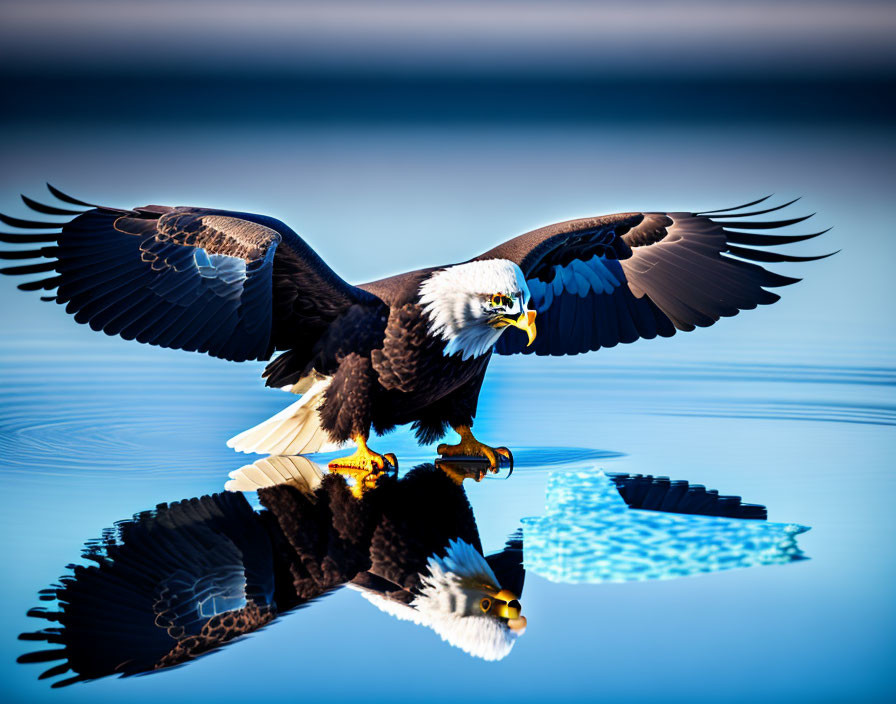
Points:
[297,471]
[295,430]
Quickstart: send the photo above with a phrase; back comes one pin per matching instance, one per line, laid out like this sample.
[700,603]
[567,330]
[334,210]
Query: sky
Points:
[698,36]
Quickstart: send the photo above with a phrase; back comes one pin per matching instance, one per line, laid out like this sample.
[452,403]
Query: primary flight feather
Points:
[411,348]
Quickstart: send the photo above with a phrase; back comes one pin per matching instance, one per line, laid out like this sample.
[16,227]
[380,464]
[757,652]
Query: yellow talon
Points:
[469,446]
[364,465]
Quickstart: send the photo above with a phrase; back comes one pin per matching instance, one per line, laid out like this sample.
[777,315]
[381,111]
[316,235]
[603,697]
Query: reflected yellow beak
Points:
[518,625]
[526,323]
[507,605]
[505,595]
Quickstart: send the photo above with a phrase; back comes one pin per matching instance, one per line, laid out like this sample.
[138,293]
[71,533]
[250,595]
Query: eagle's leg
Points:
[469,446]
[345,414]
[364,465]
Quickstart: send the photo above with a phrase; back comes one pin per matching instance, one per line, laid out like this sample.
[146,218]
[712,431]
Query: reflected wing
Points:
[599,281]
[234,285]
[508,564]
[678,496]
[166,587]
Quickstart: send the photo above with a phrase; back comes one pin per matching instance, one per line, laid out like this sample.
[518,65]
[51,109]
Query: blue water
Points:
[791,406]
[590,535]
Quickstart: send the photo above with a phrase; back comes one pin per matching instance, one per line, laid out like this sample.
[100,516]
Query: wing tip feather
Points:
[755,212]
[737,207]
[67,198]
[39,207]
[757,255]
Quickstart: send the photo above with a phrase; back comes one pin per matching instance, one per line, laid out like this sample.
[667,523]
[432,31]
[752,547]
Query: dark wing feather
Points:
[677,496]
[234,285]
[165,587]
[597,282]
[508,564]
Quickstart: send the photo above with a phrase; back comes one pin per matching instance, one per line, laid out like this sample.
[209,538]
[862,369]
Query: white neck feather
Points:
[449,598]
[447,603]
[455,299]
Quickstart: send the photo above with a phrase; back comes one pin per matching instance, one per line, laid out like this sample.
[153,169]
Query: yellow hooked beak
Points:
[507,605]
[526,323]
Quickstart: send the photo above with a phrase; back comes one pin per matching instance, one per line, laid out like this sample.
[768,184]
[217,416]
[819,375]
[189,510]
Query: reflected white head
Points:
[460,599]
[469,305]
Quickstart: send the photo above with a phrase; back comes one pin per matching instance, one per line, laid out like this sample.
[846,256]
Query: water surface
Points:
[791,406]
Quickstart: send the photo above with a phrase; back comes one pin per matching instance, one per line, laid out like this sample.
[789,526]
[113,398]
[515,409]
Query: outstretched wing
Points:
[165,587]
[234,285]
[600,281]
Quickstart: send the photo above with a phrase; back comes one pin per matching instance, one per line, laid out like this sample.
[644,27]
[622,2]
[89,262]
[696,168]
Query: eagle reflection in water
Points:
[184,579]
[177,582]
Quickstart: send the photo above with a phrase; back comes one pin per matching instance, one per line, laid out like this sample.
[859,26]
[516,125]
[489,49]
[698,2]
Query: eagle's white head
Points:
[461,600]
[469,305]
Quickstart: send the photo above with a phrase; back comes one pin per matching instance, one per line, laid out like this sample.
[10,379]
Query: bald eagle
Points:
[189,577]
[411,348]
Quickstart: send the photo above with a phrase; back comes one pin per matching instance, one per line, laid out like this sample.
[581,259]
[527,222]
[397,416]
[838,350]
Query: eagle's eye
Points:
[485,605]
[499,299]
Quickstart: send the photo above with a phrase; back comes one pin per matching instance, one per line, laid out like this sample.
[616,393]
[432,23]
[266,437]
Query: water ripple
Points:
[725,371]
[153,414]
[828,412]
[549,457]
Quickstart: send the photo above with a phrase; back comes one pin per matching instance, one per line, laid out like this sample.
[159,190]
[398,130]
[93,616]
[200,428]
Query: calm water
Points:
[791,406]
